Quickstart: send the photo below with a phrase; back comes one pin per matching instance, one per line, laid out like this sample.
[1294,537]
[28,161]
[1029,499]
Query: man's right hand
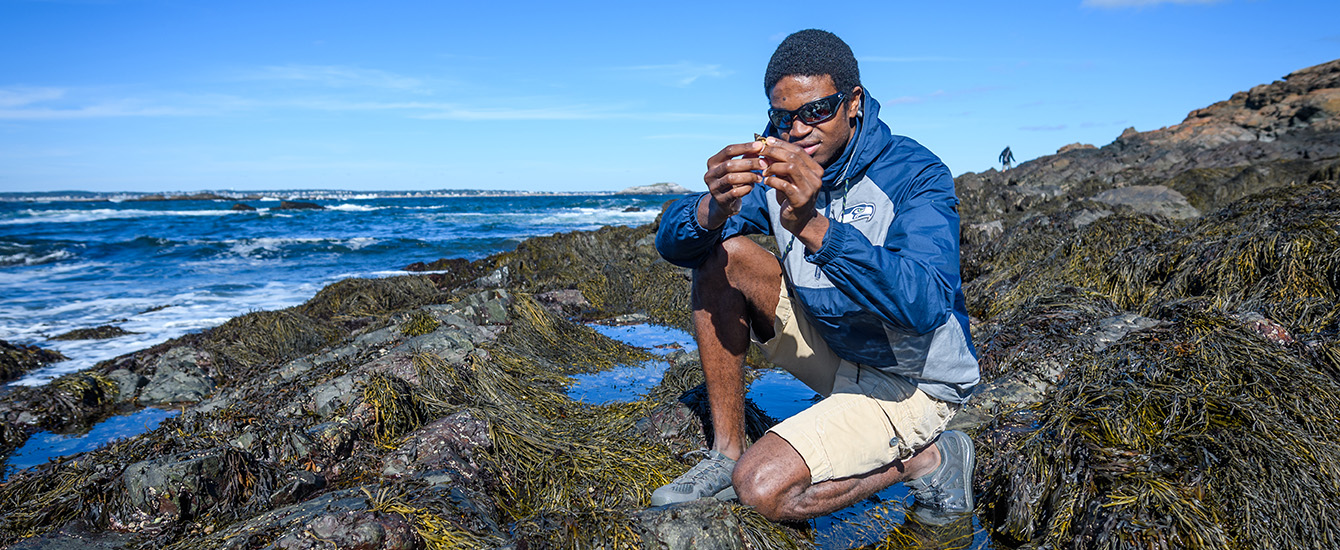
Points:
[729,179]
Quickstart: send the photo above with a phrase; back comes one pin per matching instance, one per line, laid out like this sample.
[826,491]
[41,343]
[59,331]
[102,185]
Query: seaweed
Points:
[1192,435]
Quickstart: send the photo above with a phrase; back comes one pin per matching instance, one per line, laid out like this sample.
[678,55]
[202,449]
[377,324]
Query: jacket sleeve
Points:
[685,243]
[910,282]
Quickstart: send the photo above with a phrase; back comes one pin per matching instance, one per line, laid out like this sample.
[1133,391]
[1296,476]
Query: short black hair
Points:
[813,52]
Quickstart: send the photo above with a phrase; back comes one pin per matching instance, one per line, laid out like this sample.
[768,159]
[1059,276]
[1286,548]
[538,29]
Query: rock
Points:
[243,207]
[296,486]
[329,397]
[353,530]
[497,279]
[296,205]
[96,333]
[179,376]
[442,264]
[128,384]
[183,486]
[633,209]
[567,302]
[76,536]
[703,523]
[656,189]
[1150,199]
[1074,147]
[16,359]
[450,443]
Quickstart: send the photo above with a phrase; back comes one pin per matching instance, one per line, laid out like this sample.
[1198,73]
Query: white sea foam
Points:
[356,208]
[189,312]
[24,258]
[84,216]
[248,247]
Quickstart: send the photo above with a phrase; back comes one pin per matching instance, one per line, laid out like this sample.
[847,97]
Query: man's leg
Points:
[772,477]
[736,288]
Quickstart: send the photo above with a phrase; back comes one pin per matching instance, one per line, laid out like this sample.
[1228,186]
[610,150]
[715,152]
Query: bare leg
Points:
[735,288]
[774,479]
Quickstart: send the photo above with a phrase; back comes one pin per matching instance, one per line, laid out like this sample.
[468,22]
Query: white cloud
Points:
[338,76]
[679,74]
[18,96]
[1117,4]
[48,103]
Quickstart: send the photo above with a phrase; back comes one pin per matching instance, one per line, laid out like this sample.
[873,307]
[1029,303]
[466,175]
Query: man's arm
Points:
[733,205]
[910,281]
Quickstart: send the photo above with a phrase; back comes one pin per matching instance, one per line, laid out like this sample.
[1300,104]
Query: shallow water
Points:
[872,521]
[44,446]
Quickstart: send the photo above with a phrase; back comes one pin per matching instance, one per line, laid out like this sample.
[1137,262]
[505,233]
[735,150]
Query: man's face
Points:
[823,141]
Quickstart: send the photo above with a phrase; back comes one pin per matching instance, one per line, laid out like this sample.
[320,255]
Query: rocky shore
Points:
[1155,318]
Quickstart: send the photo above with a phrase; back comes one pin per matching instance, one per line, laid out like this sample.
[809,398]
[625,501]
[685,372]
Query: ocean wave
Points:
[251,247]
[85,216]
[355,208]
[24,258]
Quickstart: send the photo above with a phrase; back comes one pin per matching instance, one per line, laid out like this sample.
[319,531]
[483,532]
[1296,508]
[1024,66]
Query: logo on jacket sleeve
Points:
[857,213]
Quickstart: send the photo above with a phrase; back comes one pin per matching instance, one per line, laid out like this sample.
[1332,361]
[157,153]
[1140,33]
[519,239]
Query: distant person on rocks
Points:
[1006,158]
[865,304]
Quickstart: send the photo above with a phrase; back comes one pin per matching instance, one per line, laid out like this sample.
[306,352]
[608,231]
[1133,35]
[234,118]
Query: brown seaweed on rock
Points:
[1205,427]
[1193,435]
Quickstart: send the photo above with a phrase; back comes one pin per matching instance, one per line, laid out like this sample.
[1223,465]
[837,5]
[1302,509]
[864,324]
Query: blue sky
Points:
[171,95]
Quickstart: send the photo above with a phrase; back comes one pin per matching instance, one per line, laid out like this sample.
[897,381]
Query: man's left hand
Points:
[797,178]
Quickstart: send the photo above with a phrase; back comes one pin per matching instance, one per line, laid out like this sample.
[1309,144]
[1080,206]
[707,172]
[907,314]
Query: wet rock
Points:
[296,486]
[485,308]
[16,359]
[184,486]
[128,384]
[76,536]
[96,333]
[498,278]
[450,443]
[353,530]
[567,302]
[332,395]
[296,205]
[179,376]
[1265,327]
[243,207]
[703,523]
[1150,199]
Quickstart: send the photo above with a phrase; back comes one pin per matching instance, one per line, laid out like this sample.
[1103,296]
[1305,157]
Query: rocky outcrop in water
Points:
[17,359]
[656,189]
[102,332]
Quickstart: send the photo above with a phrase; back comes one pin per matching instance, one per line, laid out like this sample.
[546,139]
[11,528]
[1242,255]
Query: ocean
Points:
[162,269]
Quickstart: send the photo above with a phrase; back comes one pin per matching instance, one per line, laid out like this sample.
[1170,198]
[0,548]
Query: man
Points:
[1006,158]
[864,305]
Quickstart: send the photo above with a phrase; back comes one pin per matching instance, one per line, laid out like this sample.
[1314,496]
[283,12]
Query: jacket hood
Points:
[868,139]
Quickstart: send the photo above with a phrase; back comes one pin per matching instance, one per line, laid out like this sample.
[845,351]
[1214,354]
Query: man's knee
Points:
[753,489]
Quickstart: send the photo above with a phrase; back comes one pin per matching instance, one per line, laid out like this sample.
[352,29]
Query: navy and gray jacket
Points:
[884,291]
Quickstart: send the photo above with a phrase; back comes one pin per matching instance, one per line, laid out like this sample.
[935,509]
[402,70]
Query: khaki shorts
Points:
[867,419]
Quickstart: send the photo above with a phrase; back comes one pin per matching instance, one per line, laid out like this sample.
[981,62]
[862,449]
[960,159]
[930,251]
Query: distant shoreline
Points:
[275,195]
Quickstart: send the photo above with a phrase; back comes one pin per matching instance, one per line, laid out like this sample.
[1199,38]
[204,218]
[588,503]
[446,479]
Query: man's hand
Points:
[728,180]
[797,178]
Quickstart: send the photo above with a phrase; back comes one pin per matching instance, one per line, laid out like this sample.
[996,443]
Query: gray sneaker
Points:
[705,479]
[949,487]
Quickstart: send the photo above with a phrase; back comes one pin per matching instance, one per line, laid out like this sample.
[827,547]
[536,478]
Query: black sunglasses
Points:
[810,113]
